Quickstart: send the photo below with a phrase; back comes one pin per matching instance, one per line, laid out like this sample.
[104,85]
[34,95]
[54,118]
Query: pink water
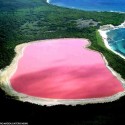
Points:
[63,69]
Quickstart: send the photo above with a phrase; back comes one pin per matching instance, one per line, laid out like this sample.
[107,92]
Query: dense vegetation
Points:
[27,20]
[96,114]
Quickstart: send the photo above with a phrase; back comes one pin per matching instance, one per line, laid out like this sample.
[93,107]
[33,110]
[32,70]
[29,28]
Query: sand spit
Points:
[103,32]
[5,84]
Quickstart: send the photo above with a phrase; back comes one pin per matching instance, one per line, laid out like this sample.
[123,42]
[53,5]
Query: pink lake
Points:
[63,69]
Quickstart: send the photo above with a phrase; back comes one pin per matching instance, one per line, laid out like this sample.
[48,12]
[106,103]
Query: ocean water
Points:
[116,40]
[92,5]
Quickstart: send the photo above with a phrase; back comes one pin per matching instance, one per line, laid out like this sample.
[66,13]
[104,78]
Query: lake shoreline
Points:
[9,71]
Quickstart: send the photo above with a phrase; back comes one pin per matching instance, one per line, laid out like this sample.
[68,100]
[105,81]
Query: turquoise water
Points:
[92,5]
[116,37]
[116,40]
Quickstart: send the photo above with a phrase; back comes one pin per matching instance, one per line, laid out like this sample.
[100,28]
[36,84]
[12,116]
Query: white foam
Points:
[48,1]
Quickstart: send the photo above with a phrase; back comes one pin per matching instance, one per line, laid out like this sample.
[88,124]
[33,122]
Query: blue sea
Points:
[116,37]
[116,40]
[92,5]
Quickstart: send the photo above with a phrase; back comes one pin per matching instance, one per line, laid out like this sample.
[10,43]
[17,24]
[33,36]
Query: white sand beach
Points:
[103,32]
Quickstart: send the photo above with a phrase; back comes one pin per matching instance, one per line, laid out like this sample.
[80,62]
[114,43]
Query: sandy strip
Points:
[103,32]
[5,84]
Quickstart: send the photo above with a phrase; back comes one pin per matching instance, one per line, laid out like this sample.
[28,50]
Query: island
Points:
[25,24]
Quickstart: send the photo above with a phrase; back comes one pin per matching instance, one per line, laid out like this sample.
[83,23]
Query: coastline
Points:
[103,32]
[120,12]
[10,70]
